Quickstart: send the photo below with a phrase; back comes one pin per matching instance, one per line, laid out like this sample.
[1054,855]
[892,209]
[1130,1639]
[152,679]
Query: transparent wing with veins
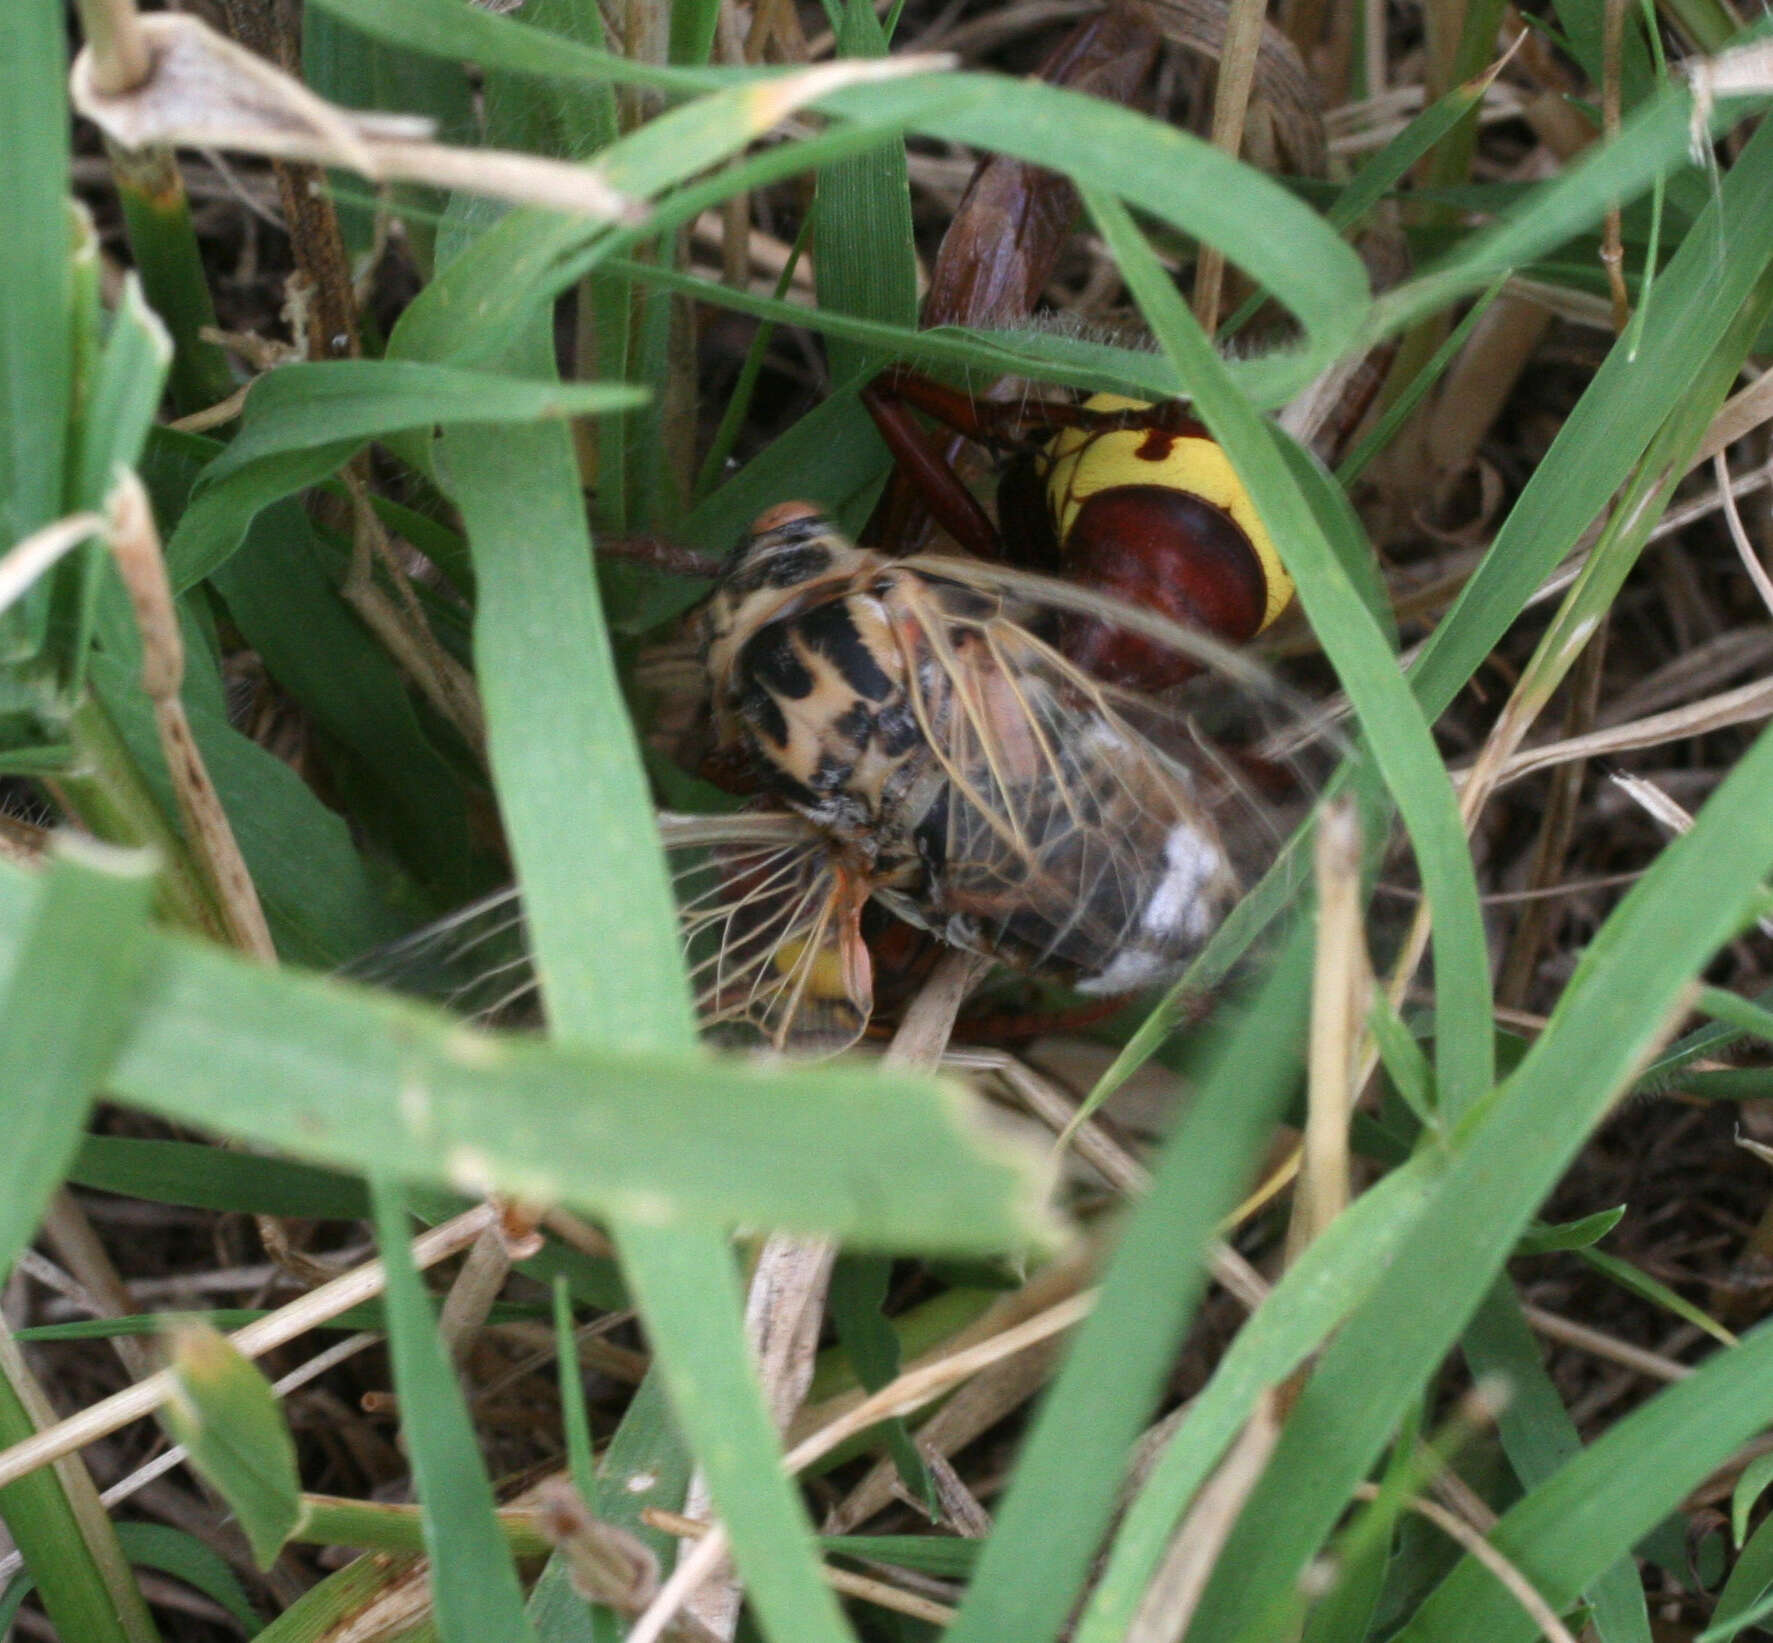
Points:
[1070,841]
[768,917]
[772,933]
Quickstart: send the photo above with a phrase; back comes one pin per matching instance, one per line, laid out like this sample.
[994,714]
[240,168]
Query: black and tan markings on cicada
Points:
[952,765]
[923,745]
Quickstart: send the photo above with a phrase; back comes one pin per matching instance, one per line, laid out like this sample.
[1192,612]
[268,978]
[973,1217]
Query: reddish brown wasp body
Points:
[1132,499]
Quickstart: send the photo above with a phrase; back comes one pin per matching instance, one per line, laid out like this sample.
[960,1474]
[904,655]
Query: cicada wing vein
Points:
[474,961]
[771,917]
[770,923]
[1071,841]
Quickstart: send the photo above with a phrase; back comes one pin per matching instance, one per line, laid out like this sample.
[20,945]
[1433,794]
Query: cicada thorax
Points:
[808,672]
[1140,502]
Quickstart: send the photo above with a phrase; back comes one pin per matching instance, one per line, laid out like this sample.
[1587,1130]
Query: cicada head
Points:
[790,556]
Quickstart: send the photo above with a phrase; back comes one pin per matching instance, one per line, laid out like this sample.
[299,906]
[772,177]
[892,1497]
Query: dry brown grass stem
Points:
[1478,386]
[1751,561]
[135,546]
[475,1287]
[217,415]
[121,59]
[1743,705]
[1568,1333]
[1231,105]
[1057,1110]
[878,1592]
[971,1412]
[70,1234]
[901,1396]
[1169,1603]
[1737,417]
[401,624]
[1557,828]
[1092,1143]
[1521,1589]
[208,92]
[1341,989]
[285,1324]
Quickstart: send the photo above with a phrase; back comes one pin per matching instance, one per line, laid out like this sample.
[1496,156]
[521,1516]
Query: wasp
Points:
[1131,498]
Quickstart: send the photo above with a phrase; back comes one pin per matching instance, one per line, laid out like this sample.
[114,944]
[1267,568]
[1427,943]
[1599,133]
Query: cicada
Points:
[927,753]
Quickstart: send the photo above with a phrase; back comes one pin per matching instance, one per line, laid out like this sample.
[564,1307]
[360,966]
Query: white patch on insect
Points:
[1178,916]
[1179,905]
[1131,969]
[641,1482]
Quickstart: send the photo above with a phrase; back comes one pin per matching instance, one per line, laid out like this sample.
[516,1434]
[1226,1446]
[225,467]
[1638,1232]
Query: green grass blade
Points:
[1069,1472]
[1748,1593]
[865,254]
[1503,1162]
[73,989]
[691,1140]
[600,913]
[1390,719]
[201,1177]
[280,589]
[169,265]
[184,1557]
[57,1522]
[1539,1437]
[229,1420]
[603,929]
[301,406]
[1329,1280]
[303,421]
[36,342]
[688,1292]
[322,1612]
[473,1583]
[122,398]
[1697,298]
[1596,1507]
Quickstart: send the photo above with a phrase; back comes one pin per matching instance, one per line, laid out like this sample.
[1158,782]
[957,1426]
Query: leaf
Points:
[302,421]
[74,985]
[473,1583]
[1749,1489]
[36,342]
[1542,1238]
[229,1420]
[333,1073]
[1595,1507]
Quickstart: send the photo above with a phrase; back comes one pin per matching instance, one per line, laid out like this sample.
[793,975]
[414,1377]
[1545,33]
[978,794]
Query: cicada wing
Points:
[771,921]
[474,961]
[770,926]
[1070,840]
